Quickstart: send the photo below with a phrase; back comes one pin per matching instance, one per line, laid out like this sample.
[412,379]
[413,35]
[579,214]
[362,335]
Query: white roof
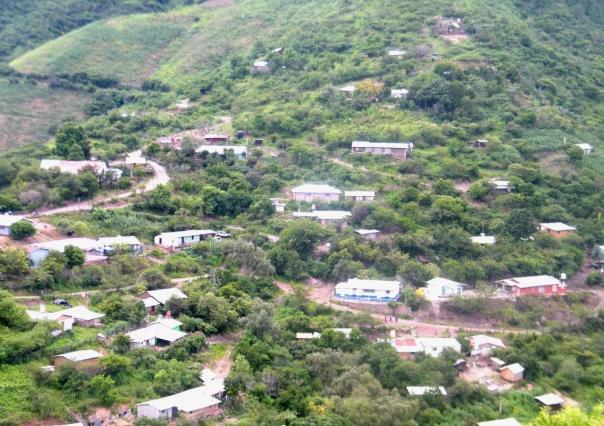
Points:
[79,312]
[158,331]
[187,401]
[366,231]
[312,188]
[557,226]
[350,88]
[168,322]
[119,240]
[165,294]
[515,368]
[306,336]
[394,92]
[527,282]
[367,144]
[584,146]
[207,375]
[216,136]
[59,245]
[443,282]
[188,233]
[72,167]
[357,283]
[82,355]
[550,399]
[396,52]
[481,339]
[331,214]
[500,183]
[439,342]
[260,63]
[10,219]
[501,422]
[484,239]
[359,193]
[422,390]
[221,149]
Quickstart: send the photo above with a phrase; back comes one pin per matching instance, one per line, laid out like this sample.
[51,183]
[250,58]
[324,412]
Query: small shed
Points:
[512,372]
[550,400]
[479,143]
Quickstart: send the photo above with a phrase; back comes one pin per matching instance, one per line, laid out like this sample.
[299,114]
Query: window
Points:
[368,291]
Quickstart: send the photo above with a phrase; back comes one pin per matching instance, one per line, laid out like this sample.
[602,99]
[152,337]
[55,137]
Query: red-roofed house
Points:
[540,285]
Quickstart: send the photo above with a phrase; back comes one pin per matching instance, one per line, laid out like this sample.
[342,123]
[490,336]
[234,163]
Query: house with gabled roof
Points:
[8,220]
[155,334]
[512,372]
[438,288]
[154,299]
[540,285]
[315,192]
[361,290]
[396,150]
[557,229]
[482,345]
[178,239]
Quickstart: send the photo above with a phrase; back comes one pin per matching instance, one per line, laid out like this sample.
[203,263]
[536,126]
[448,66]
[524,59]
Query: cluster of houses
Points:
[99,168]
[210,143]
[356,290]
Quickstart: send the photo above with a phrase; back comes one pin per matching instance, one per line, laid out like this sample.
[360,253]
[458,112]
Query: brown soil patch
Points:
[455,39]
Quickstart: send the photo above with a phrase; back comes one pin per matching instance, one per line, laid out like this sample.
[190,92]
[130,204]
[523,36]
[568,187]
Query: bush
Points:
[22,230]
[594,279]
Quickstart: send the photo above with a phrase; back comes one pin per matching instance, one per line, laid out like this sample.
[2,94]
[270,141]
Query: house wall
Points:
[5,230]
[364,296]
[400,153]
[545,290]
[558,234]
[37,256]
[88,365]
[214,410]
[361,198]
[315,196]
[173,242]
[145,410]
[509,376]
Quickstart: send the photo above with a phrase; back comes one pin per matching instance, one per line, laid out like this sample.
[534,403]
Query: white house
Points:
[78,315]
[397,53]
[198,402]
[407,347]
[325,217]
[557,229]
[7,220]
[501,185]
[178,239]
[399,93]
[370,234]
[426,390]
[483,239]
[438,287]
[155,334]
[74,167]
[348,90]
[585,147]
[260,66]
[315,192]
[238,150]
[482,345]
[359,195]
[154,298]
[434,346]
[395,149]
[110,244]
[360,290]
[279,205]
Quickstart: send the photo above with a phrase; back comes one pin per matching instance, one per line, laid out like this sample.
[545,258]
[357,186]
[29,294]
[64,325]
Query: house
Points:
[482,345]
[359,195]
[479,143]
[260,67]
[39,251]
[426,390]
[543,285]
[449,26]
[598,252]
[325,217]
[74,167]
[86,359]
[550,400]
[168,321]
[496,363]
[155,334]
[173,141]
[111,244]
[399,93]
[483,239]
[78,315]
[557,229]
[370,234]
[397,53]
[154,298]
[434,346]
[510,421]
[396,150]
[407,347]
[348,90]
[238,150]
[308,336]
[279,205]
[315,192]
[213,138]
[585,147]
[360,290]
[512,372]
[135,158]
[194,403]
[173,240]
[501,185]
[7,220]
[438,287]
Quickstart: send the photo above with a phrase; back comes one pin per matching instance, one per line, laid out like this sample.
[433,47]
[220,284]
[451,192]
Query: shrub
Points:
[21,230]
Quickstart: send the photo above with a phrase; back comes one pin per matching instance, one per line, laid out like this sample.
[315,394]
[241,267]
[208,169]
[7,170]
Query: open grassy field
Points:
[27,111]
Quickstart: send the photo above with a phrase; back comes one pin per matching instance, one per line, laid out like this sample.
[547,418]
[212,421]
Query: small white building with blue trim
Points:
[359,290]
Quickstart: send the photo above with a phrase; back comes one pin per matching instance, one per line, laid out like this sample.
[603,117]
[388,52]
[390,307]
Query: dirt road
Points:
[160,177]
